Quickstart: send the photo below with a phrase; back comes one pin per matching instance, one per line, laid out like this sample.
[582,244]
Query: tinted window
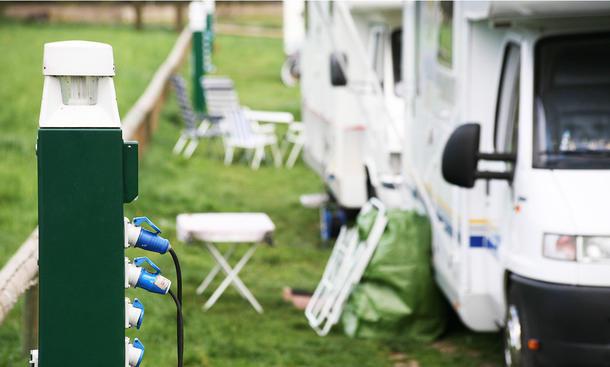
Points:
[572,102]
[507,111]
[396,54]
[445,34]
[377,39]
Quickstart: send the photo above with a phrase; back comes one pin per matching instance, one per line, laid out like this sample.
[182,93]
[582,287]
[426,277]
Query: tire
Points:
[515,334]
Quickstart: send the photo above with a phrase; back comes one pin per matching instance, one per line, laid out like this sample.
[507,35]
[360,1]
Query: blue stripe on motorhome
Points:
[441,216]
[446,220]
[482,242]
[476,241]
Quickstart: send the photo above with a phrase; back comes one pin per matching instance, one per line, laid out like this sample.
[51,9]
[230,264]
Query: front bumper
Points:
[572,323]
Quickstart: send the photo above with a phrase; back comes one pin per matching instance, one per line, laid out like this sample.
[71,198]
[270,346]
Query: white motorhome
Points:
[350,79]
[293,26]
[525,242]
[506,147]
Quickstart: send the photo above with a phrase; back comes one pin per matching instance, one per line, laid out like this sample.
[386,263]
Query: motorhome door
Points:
[500,200]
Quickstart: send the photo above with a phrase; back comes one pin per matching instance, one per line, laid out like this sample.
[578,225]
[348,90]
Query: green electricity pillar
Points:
[86,172]
[208,48]
[197,20]
[209,21]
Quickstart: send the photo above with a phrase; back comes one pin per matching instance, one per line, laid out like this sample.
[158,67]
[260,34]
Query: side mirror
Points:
[461,157]
[337,74]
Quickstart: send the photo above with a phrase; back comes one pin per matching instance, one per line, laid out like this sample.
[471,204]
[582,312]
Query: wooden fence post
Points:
[138,8]
[30,320]
[179,17]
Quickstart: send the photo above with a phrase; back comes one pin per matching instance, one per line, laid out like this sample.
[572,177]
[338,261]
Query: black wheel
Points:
[516,352]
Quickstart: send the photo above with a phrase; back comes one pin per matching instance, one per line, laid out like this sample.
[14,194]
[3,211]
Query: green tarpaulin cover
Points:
[397,297]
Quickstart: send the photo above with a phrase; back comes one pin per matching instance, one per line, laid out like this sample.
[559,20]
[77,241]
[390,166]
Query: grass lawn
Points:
[231,333]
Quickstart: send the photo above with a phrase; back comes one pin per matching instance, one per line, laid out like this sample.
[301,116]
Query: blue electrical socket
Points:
[148,240]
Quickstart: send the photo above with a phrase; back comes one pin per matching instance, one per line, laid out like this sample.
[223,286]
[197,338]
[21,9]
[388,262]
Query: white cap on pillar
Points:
[78,88]
[78,58]
[210,6]
[197,16]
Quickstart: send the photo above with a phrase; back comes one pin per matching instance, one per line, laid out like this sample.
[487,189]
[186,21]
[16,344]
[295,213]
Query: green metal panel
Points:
[198,72]
[81,266]
[130,171]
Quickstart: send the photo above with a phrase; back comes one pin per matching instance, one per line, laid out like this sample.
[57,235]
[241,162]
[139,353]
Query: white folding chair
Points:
[345,267]
[208,126]
[296,136]
[221,96]
[241,135]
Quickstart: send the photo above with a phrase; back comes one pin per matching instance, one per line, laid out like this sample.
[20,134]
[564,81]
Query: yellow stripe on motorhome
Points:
[483,222]
[449,210]
[438,199]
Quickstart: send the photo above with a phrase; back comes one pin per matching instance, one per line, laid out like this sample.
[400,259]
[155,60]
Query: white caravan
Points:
[293,27]
[350,80]
[510,103]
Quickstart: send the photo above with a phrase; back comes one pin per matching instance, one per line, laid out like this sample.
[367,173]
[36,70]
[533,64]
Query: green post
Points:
[82,161]
[208,44]
[197,25]
[198,71]
[209,27]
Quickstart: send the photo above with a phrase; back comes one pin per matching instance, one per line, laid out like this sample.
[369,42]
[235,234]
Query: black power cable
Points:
[178,273]
[180,336]
[179,276]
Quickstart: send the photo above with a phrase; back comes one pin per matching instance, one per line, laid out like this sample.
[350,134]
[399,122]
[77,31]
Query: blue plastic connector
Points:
[148,240]
[138,344]
[152,282]
[138,304]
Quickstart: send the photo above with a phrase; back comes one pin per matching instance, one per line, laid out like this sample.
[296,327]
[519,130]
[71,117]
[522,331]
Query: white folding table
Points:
[253,229]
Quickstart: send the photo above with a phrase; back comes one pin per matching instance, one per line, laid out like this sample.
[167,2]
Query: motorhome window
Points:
[572,102]
[507,109]
[377,49]
[445,34]
[306,16]
[396,57]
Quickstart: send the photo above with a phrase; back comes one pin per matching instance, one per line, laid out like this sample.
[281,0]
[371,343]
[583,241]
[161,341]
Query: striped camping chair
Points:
[242,135]
[191,133]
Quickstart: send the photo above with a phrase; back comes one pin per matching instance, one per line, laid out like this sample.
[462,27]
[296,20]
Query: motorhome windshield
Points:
[572,102]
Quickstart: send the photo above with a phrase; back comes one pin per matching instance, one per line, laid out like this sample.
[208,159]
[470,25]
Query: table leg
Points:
[208,279]
[232,277]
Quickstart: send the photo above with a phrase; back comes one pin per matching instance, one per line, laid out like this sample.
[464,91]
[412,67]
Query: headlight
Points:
[596,249]
[576,248]
[559,247]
